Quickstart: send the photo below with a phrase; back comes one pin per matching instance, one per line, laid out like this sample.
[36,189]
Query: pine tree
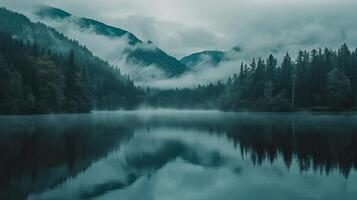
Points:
[286,75]
[271,65]
[344,59]
[303,90]
[339,90]
[10,90]
[241,74]
[77,92]
[49,88]
[253,65]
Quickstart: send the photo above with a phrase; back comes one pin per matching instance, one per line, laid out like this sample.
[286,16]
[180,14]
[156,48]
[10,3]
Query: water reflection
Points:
[178,155]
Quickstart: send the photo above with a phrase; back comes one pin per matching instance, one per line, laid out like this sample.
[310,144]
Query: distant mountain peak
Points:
[51,12]
[137,53]
[237,48]
[100,28]
[212,58]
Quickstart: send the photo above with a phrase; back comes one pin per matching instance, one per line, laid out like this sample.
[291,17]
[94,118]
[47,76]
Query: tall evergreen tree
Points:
[286,76]
[271,65]
[49,86]
[344,59]
[303,90]
[10,90]
[78,97]
[339,90]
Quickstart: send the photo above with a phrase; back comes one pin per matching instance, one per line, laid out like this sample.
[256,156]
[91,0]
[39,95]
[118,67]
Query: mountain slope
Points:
[210,58]
[136,52]
[86,23]
[213,57]
[47,49]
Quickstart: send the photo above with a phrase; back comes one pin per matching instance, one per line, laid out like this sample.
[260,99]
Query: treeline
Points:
[316,80]
[320,79]
[36,80]
[42,71]
[202,97]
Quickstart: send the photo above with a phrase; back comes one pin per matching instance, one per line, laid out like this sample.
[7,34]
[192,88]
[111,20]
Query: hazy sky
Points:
[182,27]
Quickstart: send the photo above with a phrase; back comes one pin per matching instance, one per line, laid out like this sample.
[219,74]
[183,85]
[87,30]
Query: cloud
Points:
[201,75]
[182,27]
[112,49]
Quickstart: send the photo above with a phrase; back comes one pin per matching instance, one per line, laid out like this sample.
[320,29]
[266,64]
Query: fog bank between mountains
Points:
[183,27]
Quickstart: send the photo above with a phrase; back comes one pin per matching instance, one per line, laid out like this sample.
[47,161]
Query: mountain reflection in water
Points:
[178,155]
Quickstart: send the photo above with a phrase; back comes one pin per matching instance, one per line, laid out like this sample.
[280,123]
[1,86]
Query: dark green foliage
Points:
[100,28]
[303,91]
[215,58]
[311,82]
[33,80]
[56,73]
[139,53]
[146,57]
[48,87]
[10,89]
[48,11]
[202,97]
[338,90]
[79,98]
[285,82]
[320,80]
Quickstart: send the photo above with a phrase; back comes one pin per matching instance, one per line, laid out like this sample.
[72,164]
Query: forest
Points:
[320,80]
[36,80]
[43,71]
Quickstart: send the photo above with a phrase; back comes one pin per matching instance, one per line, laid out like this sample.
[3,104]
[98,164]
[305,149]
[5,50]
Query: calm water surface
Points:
[193,155]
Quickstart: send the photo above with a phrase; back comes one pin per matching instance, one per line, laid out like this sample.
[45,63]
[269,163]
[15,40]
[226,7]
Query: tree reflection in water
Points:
[44,153]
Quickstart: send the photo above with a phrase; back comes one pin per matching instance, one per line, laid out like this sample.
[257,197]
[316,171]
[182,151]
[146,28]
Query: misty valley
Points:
[43,71]
[186,105]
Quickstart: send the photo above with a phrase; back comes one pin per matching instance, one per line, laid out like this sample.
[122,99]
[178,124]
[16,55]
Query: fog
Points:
[183,27]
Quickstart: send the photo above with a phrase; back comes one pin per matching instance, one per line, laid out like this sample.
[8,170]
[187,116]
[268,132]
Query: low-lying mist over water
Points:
[170,154]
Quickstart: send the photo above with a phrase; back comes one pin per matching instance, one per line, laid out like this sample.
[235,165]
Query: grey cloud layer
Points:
[182,27]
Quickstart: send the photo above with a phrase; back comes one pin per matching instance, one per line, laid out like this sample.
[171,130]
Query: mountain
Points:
[136,52]
[212,58]
[85,23]
[43,71]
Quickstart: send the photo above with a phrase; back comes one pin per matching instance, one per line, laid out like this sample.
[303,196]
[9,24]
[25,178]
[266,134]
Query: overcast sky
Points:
[182,27]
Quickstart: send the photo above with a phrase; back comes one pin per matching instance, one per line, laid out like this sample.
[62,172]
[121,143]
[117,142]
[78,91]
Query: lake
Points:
[168,154]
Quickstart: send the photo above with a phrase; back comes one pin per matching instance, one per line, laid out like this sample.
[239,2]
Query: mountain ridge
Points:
[210,58]
[138,55]
[214,57]
[108,87]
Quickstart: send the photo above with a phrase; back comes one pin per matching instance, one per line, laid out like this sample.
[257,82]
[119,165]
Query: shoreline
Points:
[184,111]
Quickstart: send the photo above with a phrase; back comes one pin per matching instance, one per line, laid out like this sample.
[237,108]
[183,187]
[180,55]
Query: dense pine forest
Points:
[323,80]
[42,71]
[36,80]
